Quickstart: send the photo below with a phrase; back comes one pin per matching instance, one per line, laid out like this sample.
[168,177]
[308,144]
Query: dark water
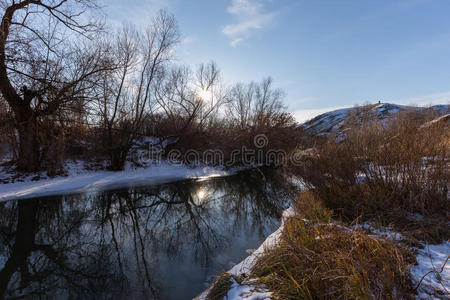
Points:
[164,242]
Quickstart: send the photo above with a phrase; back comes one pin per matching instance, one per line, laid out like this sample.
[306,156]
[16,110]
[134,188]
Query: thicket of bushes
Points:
[394,172]
[385,169]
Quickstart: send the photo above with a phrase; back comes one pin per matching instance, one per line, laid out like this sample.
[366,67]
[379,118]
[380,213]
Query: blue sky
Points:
[324,53]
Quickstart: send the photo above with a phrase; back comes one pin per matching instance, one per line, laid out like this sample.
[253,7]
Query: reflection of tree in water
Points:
[104,245]
[44,251]
[254,200]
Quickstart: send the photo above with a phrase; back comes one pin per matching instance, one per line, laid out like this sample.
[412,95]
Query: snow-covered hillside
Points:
[338,120]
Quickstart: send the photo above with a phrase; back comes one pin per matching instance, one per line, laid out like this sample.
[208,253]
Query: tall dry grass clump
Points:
[320,260]
[219,289]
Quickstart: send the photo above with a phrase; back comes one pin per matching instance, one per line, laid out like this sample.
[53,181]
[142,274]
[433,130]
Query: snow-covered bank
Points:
[80,180]
[432,269]
[246,290]
[436,284]
[271,241]
[431,263]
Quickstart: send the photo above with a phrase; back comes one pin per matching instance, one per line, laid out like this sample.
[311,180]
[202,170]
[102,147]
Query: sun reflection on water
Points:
[201,194]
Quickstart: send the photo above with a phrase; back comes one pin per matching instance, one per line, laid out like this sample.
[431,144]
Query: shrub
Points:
[382,169]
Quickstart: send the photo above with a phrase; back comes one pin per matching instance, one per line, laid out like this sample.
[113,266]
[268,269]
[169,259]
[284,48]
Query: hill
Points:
[338,120]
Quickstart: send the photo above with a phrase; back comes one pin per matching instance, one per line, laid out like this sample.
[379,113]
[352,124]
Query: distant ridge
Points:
[337,120]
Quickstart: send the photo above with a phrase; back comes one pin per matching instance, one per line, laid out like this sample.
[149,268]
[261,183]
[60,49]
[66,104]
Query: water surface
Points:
[156,242]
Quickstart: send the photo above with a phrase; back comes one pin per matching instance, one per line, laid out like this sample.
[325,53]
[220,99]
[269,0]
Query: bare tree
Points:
[240,108]
[7,138]
[212,93]
[190,102]
[41,69]
[257,108]
[268,103]
[255,105]
[126,93]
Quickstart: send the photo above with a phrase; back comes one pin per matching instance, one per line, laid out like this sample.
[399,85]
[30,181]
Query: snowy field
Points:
[335,121]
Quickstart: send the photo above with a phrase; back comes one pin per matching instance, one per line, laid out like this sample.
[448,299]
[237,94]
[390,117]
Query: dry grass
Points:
[382,173]
[322,261]
[385,173]
[312,208]
[221,286]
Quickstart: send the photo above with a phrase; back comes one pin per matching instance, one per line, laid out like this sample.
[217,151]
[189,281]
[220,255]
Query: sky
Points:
[325,54]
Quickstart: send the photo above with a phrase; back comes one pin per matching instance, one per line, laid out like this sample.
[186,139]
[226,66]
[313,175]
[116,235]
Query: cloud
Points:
[250,17]
[303,115]
[425,100]
[236,41]
[137,12]
[188,40]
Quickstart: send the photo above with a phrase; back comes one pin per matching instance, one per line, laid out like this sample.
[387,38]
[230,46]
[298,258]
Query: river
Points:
[164,241]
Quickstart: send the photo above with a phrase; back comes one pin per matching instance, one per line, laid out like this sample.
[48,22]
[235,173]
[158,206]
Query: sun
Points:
[205,95]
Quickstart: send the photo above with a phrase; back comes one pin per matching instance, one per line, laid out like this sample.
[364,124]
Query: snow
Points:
[247,292]
[437,120]
[296,182]
[80,180]
[272,240]
[326,121]
[432,257]
[383,232]
[154,142]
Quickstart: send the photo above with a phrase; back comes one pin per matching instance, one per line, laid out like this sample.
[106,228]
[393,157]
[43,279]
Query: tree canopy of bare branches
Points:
[126,93]
[60,69]
[255,104]
[46,61]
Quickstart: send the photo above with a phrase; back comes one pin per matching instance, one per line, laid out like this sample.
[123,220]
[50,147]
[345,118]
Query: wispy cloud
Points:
[303,115]
[137,12]
[250,16]
[188,40]
[425,100]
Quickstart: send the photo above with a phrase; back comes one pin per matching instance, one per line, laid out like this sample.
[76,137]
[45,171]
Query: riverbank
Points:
[427,278]
[78,180]
[248,290]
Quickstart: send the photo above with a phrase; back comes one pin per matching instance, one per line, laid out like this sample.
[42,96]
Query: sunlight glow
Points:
[205,95]
[201,194]
[203,178]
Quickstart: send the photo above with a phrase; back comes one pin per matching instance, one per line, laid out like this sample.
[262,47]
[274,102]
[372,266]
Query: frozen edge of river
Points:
[81,181]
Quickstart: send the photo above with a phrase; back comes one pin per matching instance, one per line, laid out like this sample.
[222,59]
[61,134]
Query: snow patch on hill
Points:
[337,120]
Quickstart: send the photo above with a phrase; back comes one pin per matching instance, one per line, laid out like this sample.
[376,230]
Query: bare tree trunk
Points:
[118,158]
[29,145]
